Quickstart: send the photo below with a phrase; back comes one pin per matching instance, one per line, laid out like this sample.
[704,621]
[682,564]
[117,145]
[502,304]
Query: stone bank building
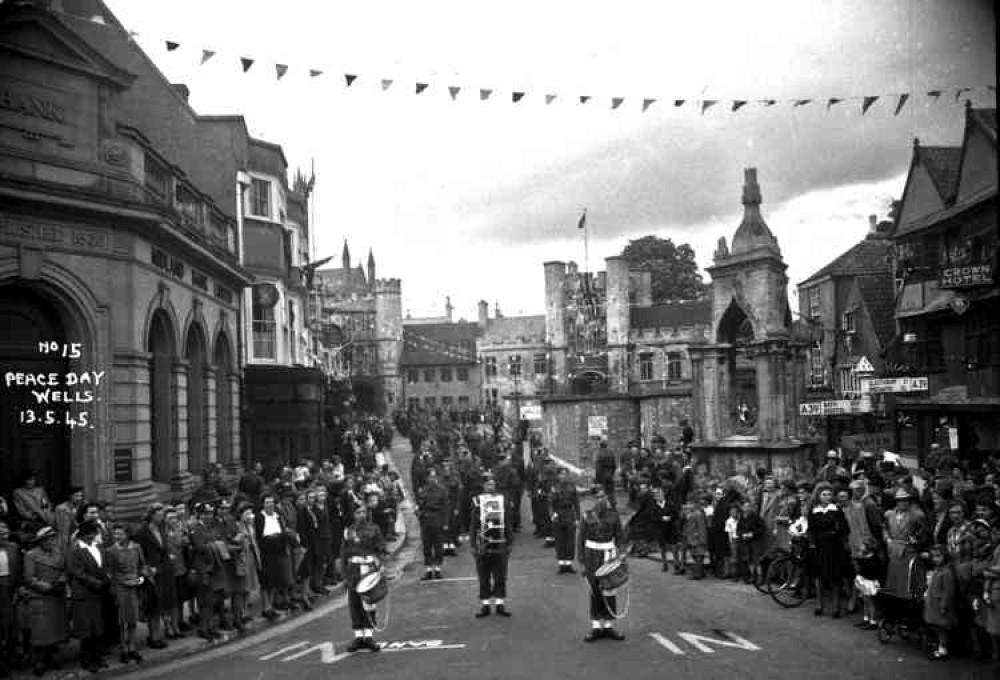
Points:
[122,229]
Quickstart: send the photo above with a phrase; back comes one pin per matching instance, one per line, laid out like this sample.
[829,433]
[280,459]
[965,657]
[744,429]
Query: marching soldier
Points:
[533,479]
[508,483]
[492,540]
[451,482]
[364,550]
[432,503]
[600,540]
[565,509]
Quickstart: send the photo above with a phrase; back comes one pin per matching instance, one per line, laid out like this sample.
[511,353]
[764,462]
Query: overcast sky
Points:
[468,198]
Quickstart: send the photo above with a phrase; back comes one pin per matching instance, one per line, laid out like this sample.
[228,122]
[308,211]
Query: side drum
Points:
[612,576]
[372,589]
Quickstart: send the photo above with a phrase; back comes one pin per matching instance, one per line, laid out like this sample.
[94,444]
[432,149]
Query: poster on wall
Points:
[597,426]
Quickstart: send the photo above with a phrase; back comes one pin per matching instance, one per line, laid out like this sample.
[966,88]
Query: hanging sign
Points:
[265,294]
[893,385]
[836,407]
[531,412]
[967,277]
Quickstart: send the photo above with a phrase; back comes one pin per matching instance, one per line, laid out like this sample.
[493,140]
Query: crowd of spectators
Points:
[871,531]
[263,547]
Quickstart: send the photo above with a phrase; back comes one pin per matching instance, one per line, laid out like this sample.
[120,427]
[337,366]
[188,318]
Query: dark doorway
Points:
[27,319]
[223,401]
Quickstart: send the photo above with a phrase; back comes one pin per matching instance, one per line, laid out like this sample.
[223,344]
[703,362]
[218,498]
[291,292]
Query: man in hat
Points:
[432,508]
[565,508]
[600,541]
[492,538]
[832,471]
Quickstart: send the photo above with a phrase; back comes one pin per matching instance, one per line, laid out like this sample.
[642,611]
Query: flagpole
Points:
[586,242]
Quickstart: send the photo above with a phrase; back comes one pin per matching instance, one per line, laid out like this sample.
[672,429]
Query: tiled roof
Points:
[865,257]
[439,344]
[672,314]
[515,329]
[943,164]
[878,296]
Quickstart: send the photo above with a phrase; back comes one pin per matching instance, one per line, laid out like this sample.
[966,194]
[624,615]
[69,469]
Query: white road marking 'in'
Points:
[702,642]
[328,652]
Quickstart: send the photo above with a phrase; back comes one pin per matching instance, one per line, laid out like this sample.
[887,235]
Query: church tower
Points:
[345,258]
[371,269]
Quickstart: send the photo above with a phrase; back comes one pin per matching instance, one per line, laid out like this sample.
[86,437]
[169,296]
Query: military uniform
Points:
[451,482]
[364,548]
[509,483]
[491,549]
[600,540]
[543,492]
[604,473]
[433,507]
[565,512]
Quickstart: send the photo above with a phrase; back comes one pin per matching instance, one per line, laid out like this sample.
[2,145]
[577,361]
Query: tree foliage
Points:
[675,271]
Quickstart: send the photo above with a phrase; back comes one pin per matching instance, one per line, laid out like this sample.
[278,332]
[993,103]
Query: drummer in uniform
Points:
[363,551]
[491,548]
[601,539]
[565,511]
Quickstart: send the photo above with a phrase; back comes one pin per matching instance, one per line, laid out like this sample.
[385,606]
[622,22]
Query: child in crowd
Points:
[751,530]
[732,531]
[127,569]
[939,600]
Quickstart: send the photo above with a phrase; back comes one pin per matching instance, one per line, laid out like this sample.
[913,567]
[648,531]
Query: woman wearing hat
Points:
[89,581]
[160,593]
[32,504]
[905,535]
[45,578]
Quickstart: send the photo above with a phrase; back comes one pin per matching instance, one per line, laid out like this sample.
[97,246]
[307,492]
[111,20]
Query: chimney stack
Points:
[484,314]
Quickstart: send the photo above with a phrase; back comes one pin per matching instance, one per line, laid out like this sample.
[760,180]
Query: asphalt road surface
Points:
[675,628]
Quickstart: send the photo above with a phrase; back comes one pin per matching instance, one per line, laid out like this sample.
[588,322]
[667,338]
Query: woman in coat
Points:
[905,530]
[176,545]
[11,575]
[88,582]
[827,531]
[45,579]
[272,538]
[161,589]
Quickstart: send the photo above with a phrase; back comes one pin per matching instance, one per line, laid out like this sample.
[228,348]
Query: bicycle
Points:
[788,576]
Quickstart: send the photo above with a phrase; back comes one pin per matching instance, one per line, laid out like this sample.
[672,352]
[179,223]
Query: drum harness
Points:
[609,556]
[369,614]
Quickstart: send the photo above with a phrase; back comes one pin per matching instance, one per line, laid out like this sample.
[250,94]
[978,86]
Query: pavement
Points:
[687,629]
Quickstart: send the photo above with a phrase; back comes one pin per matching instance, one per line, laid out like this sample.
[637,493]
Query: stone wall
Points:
[662,414]
[565,425]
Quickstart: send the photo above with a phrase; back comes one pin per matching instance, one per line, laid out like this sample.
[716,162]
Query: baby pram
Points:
[902,614]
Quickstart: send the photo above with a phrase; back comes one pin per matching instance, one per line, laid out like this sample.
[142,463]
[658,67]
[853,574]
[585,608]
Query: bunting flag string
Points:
[174,46]
[901,103]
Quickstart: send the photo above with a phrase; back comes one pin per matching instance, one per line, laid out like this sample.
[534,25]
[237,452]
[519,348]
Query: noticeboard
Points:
[597,426]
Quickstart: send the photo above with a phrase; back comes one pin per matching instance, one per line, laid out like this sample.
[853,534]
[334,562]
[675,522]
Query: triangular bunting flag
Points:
[678,102]
[453,91]
[901,103]
[350,79]
[247,63]
[171,46]
[768,102]
[386,84]
[934,93]
[281,70]
[960,92]
[739,104]
[831,101]
[421,87]
[584,98]
[516,97]
[646,103]
[206,55]
[867,103]
[132,35]
[706,104]
[801,102]
[616,102]
[315,73]
[484,94]
[549,98]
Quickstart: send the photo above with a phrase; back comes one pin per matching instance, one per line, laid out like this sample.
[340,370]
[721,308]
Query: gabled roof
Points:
[672,314]
[987,120]
[944,165]
[878,296]
[868,256]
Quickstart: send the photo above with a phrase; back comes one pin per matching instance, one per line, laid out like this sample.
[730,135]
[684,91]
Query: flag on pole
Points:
[206,55]
[583,220]
[901,103]
[867,103]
